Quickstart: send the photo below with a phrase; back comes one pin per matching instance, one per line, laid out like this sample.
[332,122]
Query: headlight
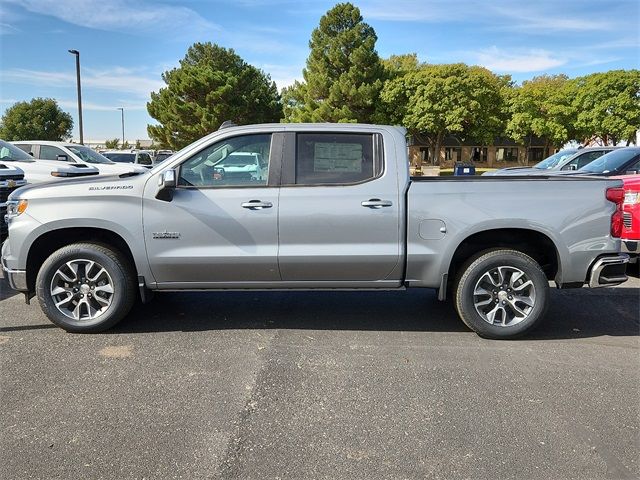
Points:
[631,198]
[15,208]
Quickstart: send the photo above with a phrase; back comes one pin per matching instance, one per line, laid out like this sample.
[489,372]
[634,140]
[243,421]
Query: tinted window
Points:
[121,157]
[611,161]
[328,158]
[47,152]
[232,162]
[144,159]
[635,168]
[24,147]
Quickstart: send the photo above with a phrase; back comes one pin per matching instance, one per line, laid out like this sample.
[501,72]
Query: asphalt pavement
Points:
[335,385]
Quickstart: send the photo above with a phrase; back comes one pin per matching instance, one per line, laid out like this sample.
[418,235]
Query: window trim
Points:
[273,179]
[290,158]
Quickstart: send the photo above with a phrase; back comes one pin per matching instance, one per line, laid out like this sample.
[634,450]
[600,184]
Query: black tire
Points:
[487,261]
[120,274]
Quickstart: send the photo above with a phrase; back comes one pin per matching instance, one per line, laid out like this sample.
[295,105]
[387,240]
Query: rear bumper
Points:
[631,246]
[608,270]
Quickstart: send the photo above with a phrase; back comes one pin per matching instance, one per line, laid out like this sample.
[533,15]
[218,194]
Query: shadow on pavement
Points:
[570,315]
[5,290]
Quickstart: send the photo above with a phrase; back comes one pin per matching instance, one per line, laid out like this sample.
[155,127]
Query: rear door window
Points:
[48,152]
[335,158]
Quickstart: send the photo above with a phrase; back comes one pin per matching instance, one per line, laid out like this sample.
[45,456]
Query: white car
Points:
[41,170]
[75,153]
[243,165]
[134,158]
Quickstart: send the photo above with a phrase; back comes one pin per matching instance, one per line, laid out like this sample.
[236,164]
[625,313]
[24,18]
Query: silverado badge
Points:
[166,234]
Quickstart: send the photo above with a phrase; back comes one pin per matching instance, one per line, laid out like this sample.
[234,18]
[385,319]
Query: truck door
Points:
[340,209]
[221,226]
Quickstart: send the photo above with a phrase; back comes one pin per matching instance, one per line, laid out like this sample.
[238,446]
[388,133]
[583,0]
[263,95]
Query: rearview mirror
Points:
[62,158]
[167,183]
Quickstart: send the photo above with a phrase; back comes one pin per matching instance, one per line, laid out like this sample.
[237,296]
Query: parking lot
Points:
[322,385]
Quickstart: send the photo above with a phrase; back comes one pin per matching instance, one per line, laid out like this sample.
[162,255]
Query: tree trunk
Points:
[436,156]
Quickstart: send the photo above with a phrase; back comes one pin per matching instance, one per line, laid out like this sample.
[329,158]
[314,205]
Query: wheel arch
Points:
[533,243]
[47,243]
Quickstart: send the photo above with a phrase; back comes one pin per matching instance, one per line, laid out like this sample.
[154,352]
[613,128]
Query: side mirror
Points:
[167,184]
[62,158]
[573,167]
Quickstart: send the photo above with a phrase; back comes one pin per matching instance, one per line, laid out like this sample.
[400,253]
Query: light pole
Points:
[122,112]
[77,54]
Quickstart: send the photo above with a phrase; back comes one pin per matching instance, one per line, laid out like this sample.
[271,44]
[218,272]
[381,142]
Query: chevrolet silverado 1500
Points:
[335,209]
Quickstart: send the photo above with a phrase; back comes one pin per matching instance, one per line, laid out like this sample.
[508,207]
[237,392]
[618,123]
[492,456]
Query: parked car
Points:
[564,160]
[336,209]
[631,216]
[247,165]
[11,178]
[623,161]
[161,156]
[74,153]
[41,170]
[133,157]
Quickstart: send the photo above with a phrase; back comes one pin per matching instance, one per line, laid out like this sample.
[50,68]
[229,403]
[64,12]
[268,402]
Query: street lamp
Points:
[77,54]
[122,112]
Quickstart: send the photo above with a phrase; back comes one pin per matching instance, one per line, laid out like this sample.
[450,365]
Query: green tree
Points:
[125,146]
[453,99]
[608,105]
[113,143]
[398,65]
[38,119]
[343,76]
[542,107]
[211,85]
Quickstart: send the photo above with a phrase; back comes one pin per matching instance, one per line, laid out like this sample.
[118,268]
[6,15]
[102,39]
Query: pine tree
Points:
[211,85]
[343,76]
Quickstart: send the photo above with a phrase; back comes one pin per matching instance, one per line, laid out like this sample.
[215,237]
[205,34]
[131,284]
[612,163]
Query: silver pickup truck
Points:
[335,209]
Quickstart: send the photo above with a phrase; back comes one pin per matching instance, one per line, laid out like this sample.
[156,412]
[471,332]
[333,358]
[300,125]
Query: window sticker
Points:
[337,157]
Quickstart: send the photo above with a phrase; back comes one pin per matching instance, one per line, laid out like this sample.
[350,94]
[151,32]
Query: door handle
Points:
[376,203]
[256,205]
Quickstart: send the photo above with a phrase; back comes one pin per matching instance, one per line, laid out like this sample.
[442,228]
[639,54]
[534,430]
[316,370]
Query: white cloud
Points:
[548,17]
[118,79]
[73,104]
[283,75]
[499,60]
[7,29]
[118,15]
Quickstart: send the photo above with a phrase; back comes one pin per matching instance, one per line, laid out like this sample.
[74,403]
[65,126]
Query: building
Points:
[504,152]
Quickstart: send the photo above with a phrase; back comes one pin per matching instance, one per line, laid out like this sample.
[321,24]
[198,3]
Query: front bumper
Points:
[17,278]
[609,270]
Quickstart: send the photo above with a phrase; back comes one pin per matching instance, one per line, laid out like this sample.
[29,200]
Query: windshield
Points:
[88,155]
[161,157]
[11,153]
[121,157]
[611,161]
[554,159]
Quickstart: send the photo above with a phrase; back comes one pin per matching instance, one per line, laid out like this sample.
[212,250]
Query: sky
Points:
[125,45]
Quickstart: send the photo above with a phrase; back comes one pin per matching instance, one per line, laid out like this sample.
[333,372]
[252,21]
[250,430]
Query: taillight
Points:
[616,195]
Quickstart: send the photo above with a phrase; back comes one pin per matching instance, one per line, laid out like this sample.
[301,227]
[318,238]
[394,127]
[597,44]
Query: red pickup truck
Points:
[631,215]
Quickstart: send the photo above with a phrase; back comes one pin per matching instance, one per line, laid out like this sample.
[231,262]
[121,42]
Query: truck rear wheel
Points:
[86,287]
[501,293]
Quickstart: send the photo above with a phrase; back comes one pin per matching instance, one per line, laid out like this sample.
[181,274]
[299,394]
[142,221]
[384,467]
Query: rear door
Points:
[339,219]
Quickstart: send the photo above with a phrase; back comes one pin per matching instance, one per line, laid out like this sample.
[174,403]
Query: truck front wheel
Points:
[501,293]
[86,287]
